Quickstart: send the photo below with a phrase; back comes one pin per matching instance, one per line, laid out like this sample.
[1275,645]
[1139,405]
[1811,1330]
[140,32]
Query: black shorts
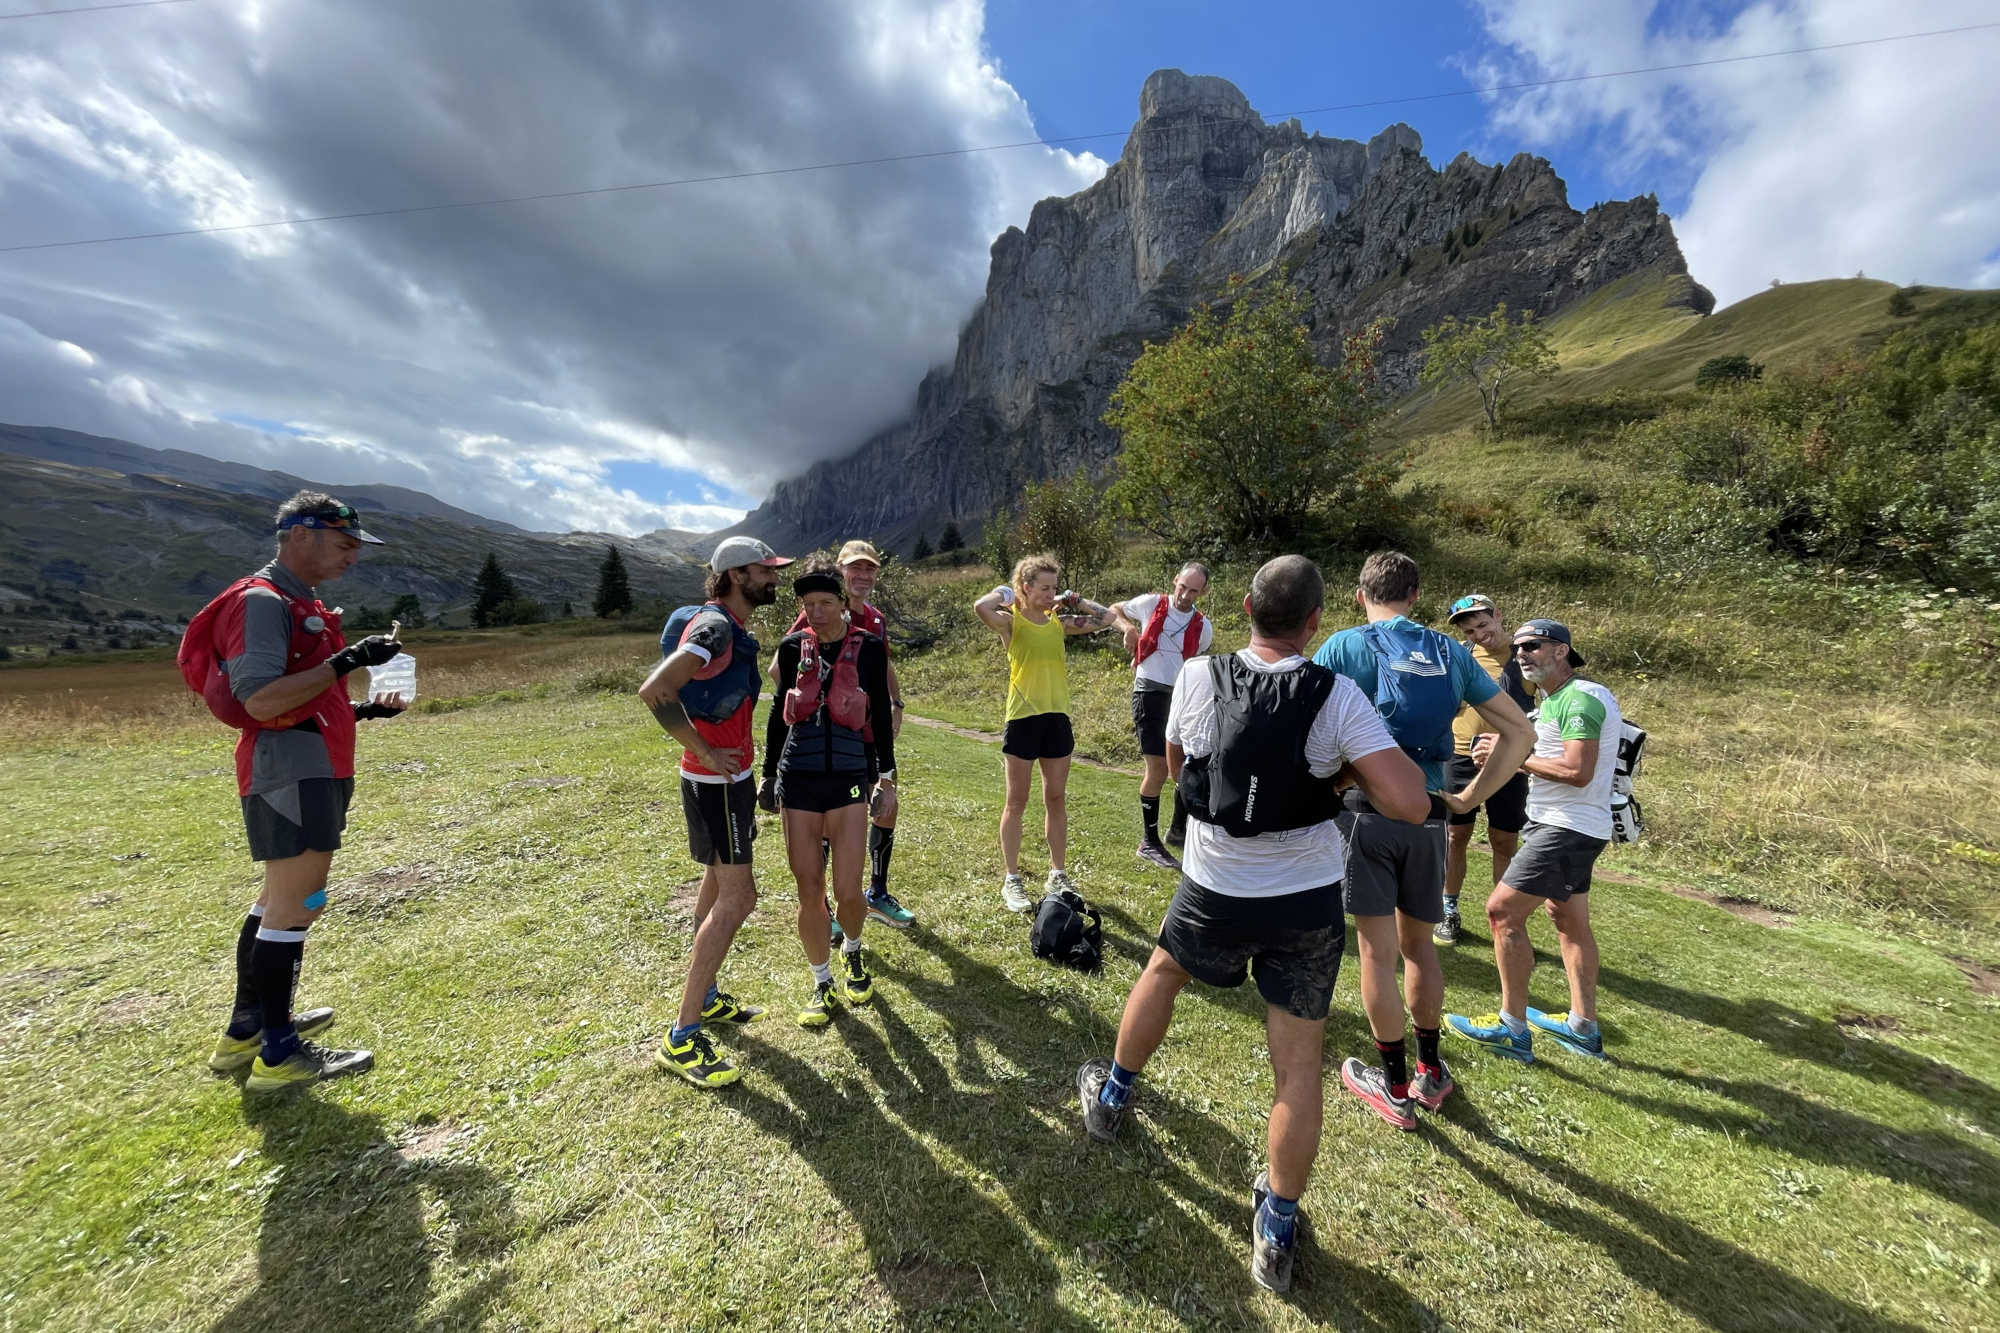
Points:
[1393,866]
[307,816]
[1553,862]
[1506,809]
[817,793]
[721,820]
[1149,719]
[1043,736]
[1291,943]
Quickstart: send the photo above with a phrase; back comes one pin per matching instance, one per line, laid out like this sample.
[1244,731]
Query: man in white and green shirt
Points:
[1569,823]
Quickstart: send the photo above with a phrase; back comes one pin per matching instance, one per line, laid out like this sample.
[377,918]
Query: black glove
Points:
[371,651]
[363,712]
[767,795]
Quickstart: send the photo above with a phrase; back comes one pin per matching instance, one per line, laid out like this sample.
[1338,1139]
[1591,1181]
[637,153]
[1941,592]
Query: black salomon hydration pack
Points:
[1256,779]
[1069,931]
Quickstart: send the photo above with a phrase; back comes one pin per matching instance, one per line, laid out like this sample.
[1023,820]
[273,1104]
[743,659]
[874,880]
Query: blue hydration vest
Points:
[716,699]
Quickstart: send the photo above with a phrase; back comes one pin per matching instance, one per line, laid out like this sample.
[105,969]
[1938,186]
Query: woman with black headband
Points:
[829,750]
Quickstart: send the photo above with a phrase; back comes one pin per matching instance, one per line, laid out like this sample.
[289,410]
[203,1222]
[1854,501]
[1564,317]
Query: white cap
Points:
[736,552]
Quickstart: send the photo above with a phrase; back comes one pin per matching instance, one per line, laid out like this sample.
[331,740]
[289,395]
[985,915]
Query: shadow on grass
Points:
[1708,1279]
[1004,1116]
[343,1240]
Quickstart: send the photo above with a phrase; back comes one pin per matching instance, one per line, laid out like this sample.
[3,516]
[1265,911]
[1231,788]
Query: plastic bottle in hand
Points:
[398,675]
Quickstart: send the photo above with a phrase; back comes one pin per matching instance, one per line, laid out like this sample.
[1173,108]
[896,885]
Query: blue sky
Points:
[633,360]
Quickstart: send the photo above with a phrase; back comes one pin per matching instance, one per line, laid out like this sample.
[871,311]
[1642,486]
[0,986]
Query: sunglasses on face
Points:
[1532,645]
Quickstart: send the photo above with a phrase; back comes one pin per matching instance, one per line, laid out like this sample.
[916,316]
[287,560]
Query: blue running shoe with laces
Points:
[1490,1032]
[883,907]
[1557,1026]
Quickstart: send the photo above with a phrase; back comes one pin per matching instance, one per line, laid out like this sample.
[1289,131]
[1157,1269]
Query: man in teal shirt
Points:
[1394,885]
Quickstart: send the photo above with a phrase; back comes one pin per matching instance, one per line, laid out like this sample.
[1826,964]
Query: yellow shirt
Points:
[1468,723]
[1036,680]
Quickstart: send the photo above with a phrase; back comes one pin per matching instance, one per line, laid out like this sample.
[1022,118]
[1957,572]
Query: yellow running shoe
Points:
[233,1055]
[817,1011]
[310,1063]
[696,1061]
[856,985]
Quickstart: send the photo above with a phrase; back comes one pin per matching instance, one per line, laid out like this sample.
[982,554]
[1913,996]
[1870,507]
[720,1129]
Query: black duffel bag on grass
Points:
[1068,931]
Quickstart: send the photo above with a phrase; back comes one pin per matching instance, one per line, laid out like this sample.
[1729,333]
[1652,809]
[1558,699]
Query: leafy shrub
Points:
[1727,370]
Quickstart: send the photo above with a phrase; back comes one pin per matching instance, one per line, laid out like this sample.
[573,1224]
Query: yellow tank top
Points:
[1036,681]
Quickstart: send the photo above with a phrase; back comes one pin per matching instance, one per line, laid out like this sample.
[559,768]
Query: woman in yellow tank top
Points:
[1032,619]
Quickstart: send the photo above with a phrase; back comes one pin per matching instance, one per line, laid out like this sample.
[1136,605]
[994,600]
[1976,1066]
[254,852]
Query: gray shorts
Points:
[1553,862]
[304,816]
[1291,943]
[1393,866]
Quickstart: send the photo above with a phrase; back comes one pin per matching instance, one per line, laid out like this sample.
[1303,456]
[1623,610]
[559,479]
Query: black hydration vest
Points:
[1256,780]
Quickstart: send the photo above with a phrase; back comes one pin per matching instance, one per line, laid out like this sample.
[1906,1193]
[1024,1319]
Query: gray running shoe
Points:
[1152,853]
[1058,881]
[1014,894]
[1270,1262]
[1429,1090]
[1099,1121]
[1371,1085]
[1446,931]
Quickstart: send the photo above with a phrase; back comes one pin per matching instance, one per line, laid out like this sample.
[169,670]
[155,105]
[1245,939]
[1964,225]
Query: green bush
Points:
[1727,370]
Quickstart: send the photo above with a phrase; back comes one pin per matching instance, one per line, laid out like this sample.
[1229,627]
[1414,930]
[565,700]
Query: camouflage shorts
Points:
[1291,943]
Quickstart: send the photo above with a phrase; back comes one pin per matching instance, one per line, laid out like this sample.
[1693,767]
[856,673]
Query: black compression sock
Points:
[246,1014]
[1427,1048]
[1149,815]
[275,966]
[1395,1064]
[881,843]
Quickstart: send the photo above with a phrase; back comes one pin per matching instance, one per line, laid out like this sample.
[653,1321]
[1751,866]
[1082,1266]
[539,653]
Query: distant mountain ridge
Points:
[1204,189]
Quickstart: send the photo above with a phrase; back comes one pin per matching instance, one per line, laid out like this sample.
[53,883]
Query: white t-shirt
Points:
[1582,710]
[1292,861]
[1161,669]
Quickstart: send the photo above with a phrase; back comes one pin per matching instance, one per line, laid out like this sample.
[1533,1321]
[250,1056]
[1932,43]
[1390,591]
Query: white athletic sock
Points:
[823,972]
[852,944]
[1514,1025]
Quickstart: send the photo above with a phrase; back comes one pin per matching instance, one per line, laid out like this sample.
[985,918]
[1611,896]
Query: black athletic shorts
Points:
[1553,862]
[817,793]
[1291,943]
[1506,809]
[307,816]
[721,820]
[1393,866]
[1043,736]
[1149,719]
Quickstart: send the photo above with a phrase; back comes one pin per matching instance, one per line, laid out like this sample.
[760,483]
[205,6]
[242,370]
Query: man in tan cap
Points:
[860,564]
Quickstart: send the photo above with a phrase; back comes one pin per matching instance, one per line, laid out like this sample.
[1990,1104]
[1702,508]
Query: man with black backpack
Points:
[1255,740]
[1418,679]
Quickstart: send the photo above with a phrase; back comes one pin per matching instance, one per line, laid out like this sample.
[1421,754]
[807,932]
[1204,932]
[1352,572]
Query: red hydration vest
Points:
[1149,638]
[202,654]
[846,701]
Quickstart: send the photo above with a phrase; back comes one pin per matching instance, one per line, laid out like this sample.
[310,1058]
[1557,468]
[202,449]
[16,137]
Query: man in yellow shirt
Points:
[1479,624]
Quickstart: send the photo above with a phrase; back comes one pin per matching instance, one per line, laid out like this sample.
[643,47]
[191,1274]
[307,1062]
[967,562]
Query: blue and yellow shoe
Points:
[818,1009]
[309,1063]
[232,1055]
[696,1061]
[725,1008]
[1557,1026]
[883,907]
[856,986]
[1490,1032]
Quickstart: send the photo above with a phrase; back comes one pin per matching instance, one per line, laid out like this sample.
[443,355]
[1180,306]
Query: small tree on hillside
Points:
[1719,370]
[491,590]
[922,550]
[409,610]
[951,540]
[1236,438]
[1496,355]
[614,590]
[1069,521]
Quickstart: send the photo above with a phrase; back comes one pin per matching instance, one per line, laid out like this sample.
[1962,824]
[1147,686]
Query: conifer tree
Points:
[491,591]
[951,540]
[614,590]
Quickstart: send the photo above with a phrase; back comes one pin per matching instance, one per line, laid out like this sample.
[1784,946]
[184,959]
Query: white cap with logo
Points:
[736,552]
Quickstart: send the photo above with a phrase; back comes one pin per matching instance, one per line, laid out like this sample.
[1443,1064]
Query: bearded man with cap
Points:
[1569,823]
[272,658]
[702,693]
[1477,622]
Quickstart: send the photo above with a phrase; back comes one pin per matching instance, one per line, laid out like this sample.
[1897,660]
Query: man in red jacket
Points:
[286,665]
[1161,632]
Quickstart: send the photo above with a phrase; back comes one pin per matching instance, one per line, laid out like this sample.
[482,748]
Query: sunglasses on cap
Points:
[338,518]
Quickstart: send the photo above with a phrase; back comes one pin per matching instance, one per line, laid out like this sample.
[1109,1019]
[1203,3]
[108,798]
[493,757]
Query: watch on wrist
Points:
[887,775]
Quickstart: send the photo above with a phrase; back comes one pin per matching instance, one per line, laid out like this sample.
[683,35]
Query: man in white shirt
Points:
[1161,633]
[1257,739]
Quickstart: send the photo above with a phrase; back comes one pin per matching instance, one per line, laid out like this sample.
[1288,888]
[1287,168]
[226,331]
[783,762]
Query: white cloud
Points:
[1870,158]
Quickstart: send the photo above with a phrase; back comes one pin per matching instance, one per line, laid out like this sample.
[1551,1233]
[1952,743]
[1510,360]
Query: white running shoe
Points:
[1014,893]
[1058,880]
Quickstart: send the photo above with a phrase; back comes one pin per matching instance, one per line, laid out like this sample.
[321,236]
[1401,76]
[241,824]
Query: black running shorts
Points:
[1553,862]
[1393,866]
[1506,809]
[721,820]
[307,816]
[817,793]
[1149,719]
[1043,736]
[1290,943]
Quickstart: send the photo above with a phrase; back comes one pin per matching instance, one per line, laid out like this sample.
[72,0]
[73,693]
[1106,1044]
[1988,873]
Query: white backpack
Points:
[1627,820]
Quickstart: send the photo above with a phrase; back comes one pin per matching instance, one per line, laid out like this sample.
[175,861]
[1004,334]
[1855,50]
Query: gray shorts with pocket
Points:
[1393,866]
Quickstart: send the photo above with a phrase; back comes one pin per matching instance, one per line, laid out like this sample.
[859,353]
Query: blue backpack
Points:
[719,688]
[1414,689]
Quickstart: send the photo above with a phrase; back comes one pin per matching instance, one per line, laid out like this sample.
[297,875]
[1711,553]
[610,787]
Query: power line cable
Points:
[92,9]
[763,172]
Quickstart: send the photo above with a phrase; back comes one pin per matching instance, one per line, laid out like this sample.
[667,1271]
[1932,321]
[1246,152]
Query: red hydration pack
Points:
[846,701]
[1149,638]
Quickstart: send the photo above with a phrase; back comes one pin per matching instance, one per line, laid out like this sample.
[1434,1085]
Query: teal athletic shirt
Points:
[1349,654]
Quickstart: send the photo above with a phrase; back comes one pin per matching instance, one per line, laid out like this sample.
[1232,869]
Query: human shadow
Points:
[1946,1166]
[1800,1036]
[1705,1277]
[343,1246]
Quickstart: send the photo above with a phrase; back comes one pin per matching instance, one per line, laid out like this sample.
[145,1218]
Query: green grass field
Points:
[1796,1130]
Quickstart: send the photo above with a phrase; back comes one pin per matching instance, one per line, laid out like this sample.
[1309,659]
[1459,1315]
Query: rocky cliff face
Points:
[1205,189]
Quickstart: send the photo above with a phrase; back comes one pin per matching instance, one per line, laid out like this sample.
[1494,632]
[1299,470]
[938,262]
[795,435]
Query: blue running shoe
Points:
[883,907]
[1490,1032]
[1557,1026]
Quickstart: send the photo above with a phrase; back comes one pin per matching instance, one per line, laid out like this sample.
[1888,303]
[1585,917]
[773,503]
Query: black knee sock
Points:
[1149,815]
[274,964]
[1427,1048]
[246,1013]
[881,842]
[1395,1064]
[1179,823]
